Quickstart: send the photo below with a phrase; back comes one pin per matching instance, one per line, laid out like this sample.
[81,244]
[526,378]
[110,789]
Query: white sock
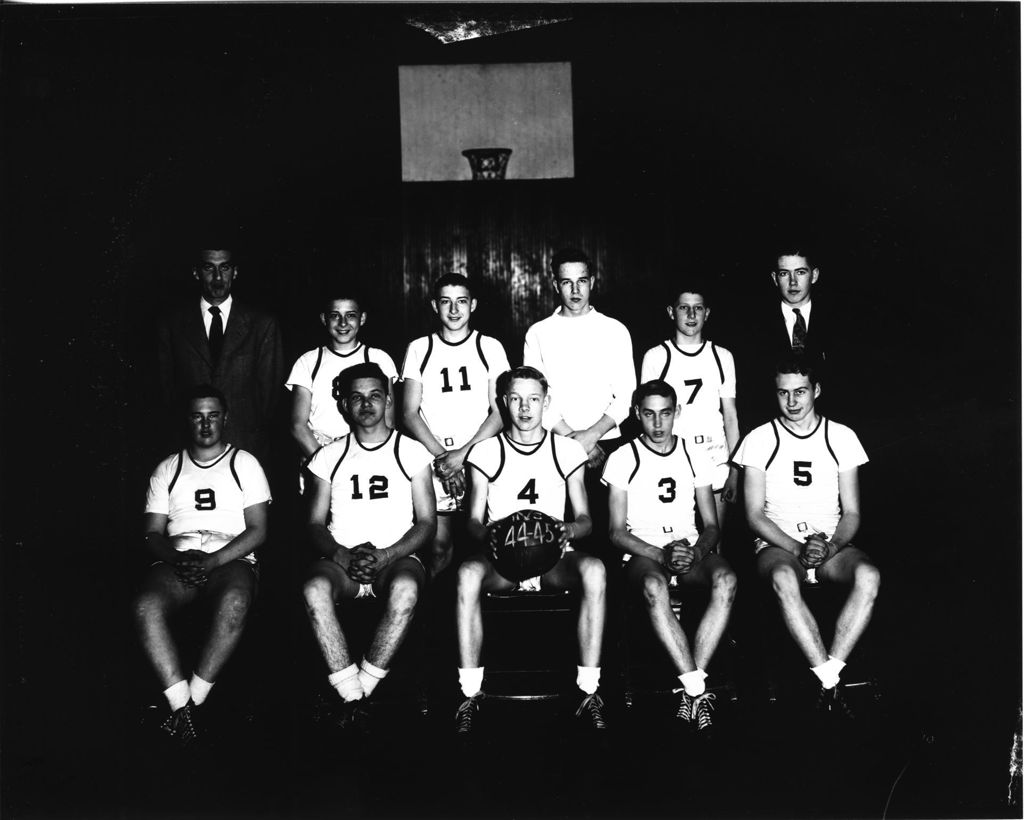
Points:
[836,664]
[471,680]
[827,674]
[370,676]
[199,688]
[693,682]
[346,683]
[177,695]
[587,678]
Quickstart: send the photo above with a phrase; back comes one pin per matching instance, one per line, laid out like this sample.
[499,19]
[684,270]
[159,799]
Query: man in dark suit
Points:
[227,344]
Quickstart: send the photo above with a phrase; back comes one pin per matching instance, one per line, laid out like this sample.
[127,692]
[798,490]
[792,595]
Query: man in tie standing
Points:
[227,344]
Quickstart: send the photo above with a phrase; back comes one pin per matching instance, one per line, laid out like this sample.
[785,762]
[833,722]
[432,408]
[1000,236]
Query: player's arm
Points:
[711,533]
[849,520]
[581,525]
[413,422]
[319,493]
[590,437]
[732,438]
[618,507]
[154,535]
[248,540]
[475,525]
[302,404]
[764,527]
[490,426]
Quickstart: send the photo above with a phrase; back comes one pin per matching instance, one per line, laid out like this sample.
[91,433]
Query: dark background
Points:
[888,133]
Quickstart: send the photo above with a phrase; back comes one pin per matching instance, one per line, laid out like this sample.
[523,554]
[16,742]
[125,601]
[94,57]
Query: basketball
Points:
[526,544]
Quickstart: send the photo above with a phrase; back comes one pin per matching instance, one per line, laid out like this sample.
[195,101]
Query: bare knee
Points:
[723,584]
[403,595]
[149,605]
[318,594]
[784,582]
[592,575]
[470,578]
[867,579]
[234,607]
[654,591]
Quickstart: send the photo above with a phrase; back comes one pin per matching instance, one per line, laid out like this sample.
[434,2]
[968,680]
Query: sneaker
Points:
[832,704]
[351,716]
[685,710]
[592,712]
[181,725]
[466,712]
[701,710]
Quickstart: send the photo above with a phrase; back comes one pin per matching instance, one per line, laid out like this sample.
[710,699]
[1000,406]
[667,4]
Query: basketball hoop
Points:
[488,163]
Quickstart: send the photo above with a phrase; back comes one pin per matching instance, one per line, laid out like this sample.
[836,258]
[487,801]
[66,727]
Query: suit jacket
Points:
[250,371]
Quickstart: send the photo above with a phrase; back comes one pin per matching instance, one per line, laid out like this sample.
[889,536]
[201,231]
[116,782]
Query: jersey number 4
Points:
[448,385]
[801,473]
[378,487]
[206,500]
[529,492]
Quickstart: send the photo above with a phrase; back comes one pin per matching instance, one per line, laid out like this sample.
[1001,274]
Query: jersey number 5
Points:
[206,500]
[529,492]
[378,487]
[801,473]
[447,384]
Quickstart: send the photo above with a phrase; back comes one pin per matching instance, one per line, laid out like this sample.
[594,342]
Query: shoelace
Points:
[593,704]
[702,708]
[464,714]
[685,710]
[179,725]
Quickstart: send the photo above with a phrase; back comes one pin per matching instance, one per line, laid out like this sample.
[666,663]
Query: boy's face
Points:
[366,402]
[526,401]
[343,319]
[689,314]
[794,277]
[453,307]
[796,395]
[206,421]
[573,283]
[657,415]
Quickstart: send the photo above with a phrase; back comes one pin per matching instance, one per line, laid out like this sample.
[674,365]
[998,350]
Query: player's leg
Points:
[652,582]
[853,568]
[714,572]
[578,570]
[785,572]
[161,595]
[439,553]
[399,587]
[231,589]
[326,584]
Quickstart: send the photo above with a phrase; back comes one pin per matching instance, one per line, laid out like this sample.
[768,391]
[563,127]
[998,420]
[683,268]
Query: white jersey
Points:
[316,370]
[661,489]
[802,473]
[371,492]
[527,477]
[702,375]
[455,377]
[206,496]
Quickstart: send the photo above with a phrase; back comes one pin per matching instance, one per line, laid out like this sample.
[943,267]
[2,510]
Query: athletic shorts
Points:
[366,590]
[206,541]
[717,451]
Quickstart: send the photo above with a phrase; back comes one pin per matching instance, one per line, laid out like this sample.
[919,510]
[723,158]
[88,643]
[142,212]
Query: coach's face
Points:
[216,273]
[526,401]
[366,402]
[573,283]
[657,416]
[793,276]
[796,395]
[206,420]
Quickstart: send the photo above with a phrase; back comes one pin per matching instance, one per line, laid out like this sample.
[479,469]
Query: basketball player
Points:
[527,467]
[704,377]
[206,515]
[449,399]
[316,419]
[371,509]
[803,502]
[653,483]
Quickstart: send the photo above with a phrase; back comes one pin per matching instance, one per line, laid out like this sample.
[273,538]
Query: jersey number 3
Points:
[801,473]
[206,500]
[669,495]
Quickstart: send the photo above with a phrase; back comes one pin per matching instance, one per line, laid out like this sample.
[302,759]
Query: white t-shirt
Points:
[661,489]
[455,377]
[702,375]
[588,362]
[526,477]
[802,473]
[207,496]
[371,492]
[316,370]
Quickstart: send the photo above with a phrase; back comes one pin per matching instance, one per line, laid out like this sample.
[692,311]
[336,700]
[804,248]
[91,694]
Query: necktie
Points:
[799,332]
[216,333]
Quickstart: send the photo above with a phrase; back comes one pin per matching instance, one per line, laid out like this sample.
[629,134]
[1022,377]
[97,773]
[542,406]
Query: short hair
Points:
[210,248]
[797,365]
[806,251]
[204,391]
[566,255]
[690,285]
[504,381]
[343,293]
[341,387]
[655,387]
[452,280]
